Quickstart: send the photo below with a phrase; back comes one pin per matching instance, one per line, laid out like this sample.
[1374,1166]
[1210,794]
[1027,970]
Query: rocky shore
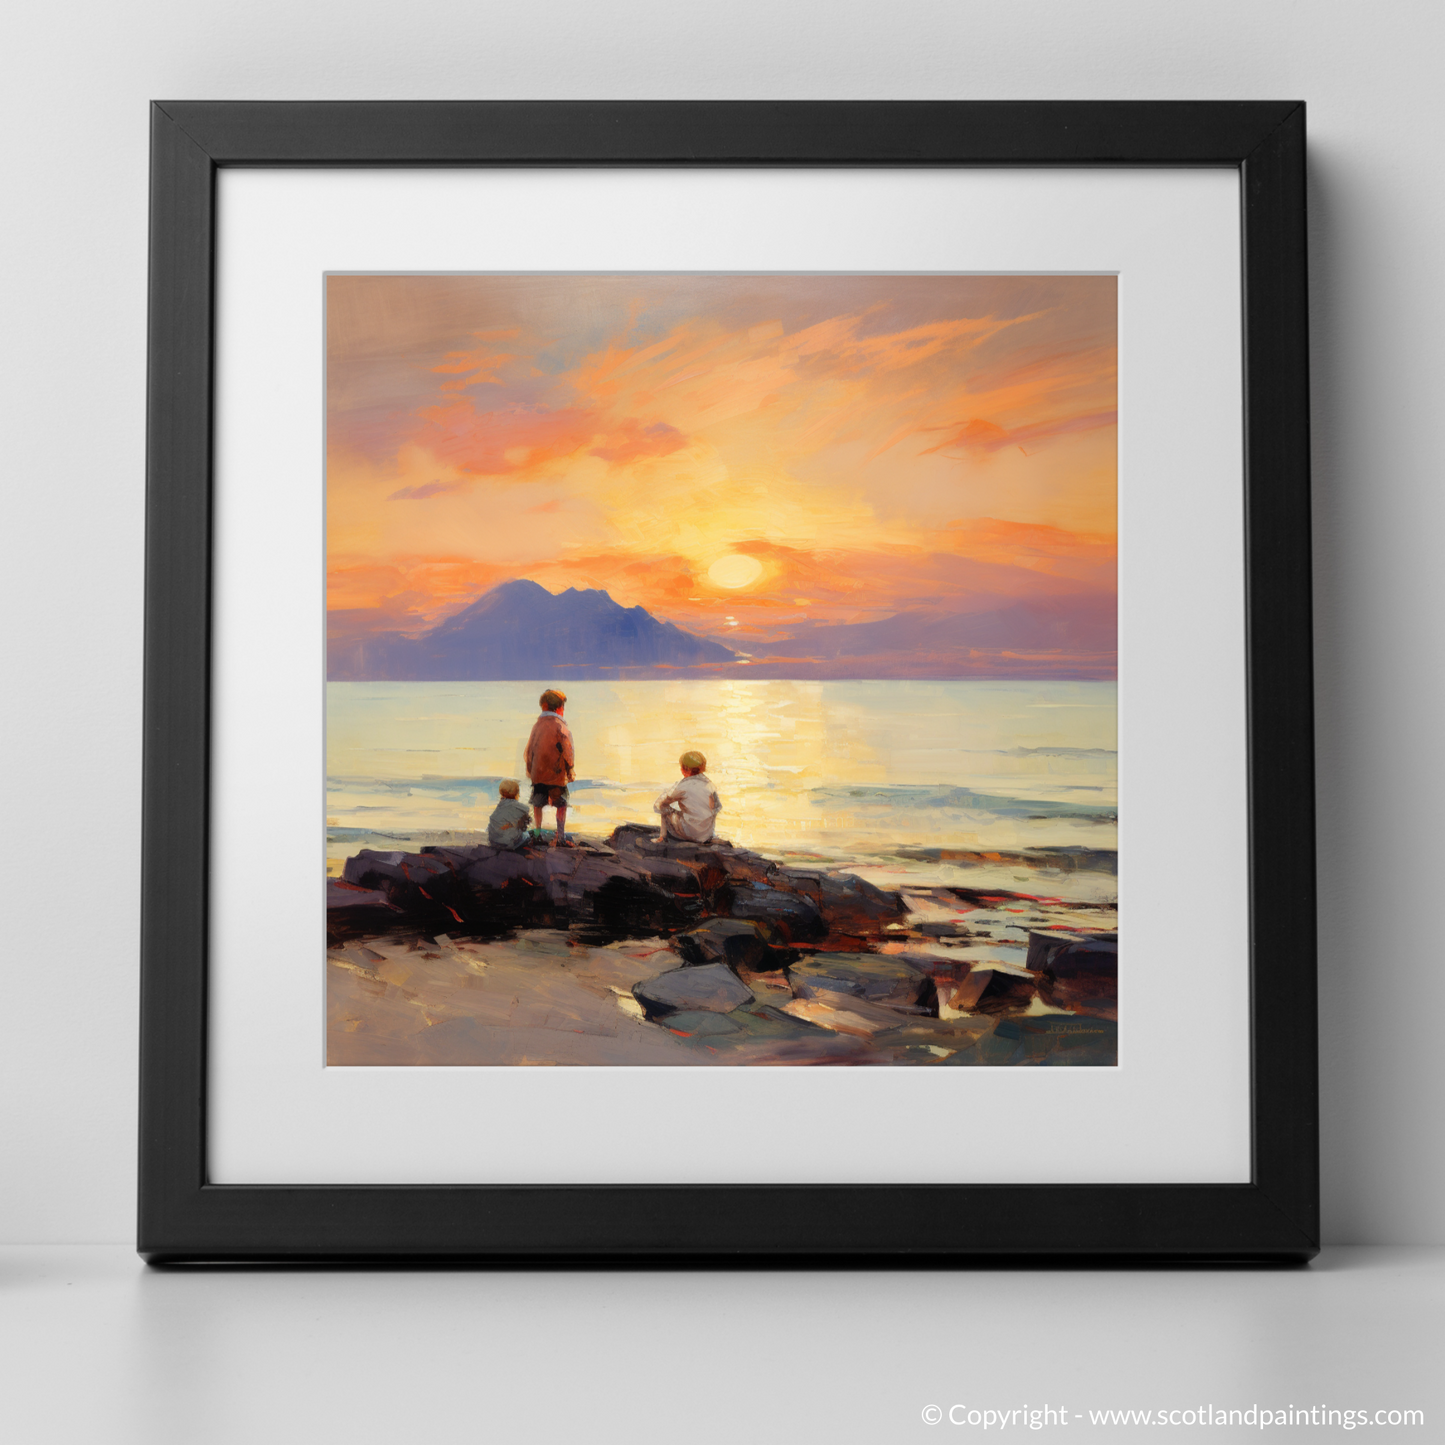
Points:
[634,950]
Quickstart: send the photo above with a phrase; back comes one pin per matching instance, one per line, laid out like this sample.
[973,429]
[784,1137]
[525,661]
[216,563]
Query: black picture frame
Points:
[184,1217]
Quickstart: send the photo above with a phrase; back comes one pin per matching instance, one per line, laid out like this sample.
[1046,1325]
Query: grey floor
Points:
[96,1348]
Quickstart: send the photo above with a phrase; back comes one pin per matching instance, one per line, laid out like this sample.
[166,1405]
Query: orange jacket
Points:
[548,758]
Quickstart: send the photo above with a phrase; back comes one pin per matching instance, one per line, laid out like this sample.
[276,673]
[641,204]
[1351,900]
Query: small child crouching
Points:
[507,827]
[689,809]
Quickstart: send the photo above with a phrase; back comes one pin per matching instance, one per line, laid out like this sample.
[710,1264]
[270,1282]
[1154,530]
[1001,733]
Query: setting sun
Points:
[735,570]
[812,452]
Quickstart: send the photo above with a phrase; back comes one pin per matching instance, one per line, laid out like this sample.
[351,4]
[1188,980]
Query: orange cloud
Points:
[422,491]
[981,437]
[406,594]
[499,443]
[481,366]
[836,344]
[1087,557]
[631,440]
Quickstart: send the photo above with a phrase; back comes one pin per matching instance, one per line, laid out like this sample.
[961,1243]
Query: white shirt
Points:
[697,800]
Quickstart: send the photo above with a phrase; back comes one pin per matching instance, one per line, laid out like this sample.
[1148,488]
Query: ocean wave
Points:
[964,799]
[852,796]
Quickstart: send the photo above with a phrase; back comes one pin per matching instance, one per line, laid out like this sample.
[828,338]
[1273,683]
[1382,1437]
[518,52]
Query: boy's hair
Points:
[509,788]
[551,700]
[693,762]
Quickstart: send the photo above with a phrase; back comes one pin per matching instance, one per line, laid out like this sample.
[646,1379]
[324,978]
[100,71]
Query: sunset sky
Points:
[741,455]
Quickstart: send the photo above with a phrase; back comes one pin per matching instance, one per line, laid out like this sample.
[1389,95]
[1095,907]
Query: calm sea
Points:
[846,771]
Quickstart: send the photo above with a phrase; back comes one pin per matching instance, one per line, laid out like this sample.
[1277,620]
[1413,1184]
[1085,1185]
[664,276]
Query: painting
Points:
[721,670]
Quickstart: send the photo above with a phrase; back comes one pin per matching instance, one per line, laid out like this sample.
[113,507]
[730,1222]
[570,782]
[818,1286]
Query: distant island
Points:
[519,631]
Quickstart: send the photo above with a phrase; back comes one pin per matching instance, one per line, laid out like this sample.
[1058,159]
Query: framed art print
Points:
[832,761]
[706,658]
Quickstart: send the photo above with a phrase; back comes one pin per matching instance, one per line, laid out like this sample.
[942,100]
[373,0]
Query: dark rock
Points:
[989,989]
[591,872]
[694,1023]
[353,911]
[558,866]
[882,979]
[416,882]
[737,942]
[424,872]
[1082,977]
[1093,955]
[499,890]
[371,869]
[1044,943]
[713,988]
[351,895]
[504,867]
[794,916]
[741,866]
[726,877]
[846,903]
[986,900]
[713,862]
[632,885]
[668,873]
[634,908]
[651,842]
[460,858]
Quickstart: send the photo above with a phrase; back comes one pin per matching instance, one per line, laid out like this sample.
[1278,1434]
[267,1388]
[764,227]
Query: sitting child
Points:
[689,808]
[507,827]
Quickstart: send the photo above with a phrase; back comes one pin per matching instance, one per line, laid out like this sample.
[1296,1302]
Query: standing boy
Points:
[548,761]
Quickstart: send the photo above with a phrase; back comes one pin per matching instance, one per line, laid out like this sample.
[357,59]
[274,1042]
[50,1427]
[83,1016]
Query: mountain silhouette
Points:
[1081,623]
[520,632]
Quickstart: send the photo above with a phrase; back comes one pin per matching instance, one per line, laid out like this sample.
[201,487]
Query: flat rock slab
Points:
[699,1024]
[713,988]
[880,978]
[845,1016]
[737,942]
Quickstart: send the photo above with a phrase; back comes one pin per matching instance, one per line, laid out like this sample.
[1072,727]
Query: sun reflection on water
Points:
[836,768]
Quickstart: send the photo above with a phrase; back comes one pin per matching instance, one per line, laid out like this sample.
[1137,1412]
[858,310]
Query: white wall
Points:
[75,79]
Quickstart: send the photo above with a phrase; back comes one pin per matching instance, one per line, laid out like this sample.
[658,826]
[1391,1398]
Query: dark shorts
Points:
[549,795]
